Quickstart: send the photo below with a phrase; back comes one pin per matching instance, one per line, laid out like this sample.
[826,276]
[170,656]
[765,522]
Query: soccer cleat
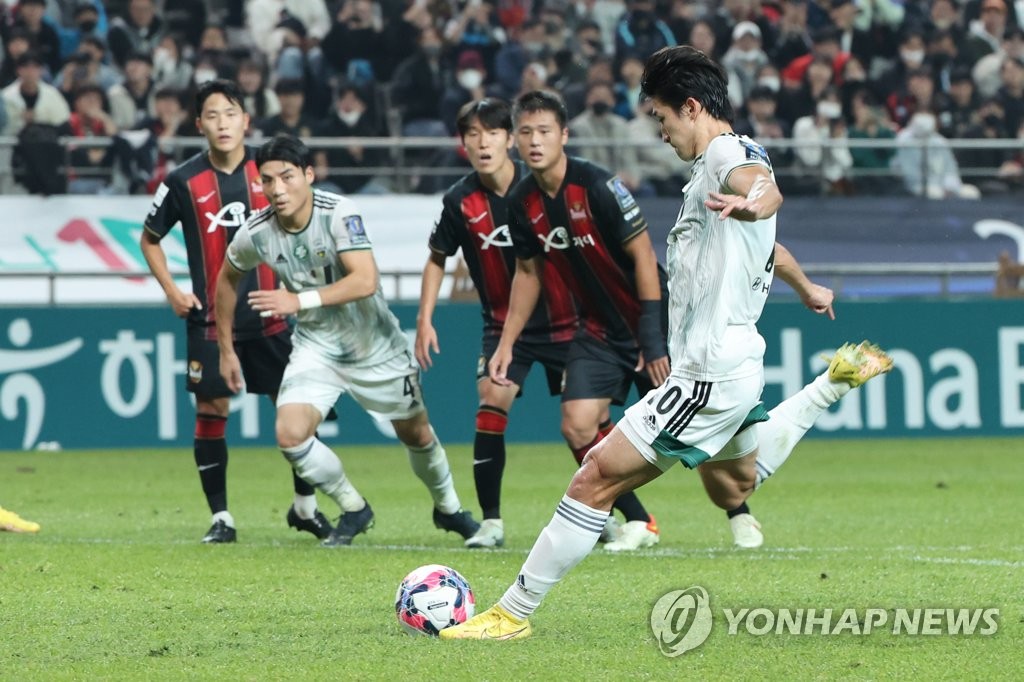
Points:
[350,525]
[13,523]
[612,530]
[855,364]
[490,534]
[494,623]
[746,531]
[318,525]
[220,533]
[635,535]
[460,522]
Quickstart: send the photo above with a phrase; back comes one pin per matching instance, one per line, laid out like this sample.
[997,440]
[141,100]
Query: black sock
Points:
[631,507]
[301,487]
[211,456]
[742,509]
[488,468]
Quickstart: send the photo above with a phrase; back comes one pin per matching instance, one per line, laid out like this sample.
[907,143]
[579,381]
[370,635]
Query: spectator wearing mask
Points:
[140,31]
[170,70]
[614,152]
[940,177]
[745,57]
[911,58]
[831,162]
[352,117]
[89,20]
[475,28]
[803,101]
[527,43]
[469,85]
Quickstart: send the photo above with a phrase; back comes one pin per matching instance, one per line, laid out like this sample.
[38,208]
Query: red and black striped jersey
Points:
[211,206]
[475,219]
[581,231]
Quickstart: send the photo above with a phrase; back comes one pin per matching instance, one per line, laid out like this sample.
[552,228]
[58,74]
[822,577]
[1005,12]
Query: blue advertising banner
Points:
[114,377]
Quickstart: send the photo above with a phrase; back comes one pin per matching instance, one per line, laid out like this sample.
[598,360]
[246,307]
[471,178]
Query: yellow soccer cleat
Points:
[494,623]
[10,521]
[854,365]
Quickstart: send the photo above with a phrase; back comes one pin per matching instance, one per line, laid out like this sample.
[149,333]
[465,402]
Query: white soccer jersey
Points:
[360,333]
[720,272]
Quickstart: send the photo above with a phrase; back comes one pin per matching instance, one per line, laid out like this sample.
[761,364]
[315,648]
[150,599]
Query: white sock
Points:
[430,464]
[790,420]
[305,506]
[565,541]
[316,463]
[224,516]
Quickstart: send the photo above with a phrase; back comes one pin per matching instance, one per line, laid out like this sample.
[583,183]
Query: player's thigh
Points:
[264,361]
[389,390]
[688,420]
[311,378]
[596,370]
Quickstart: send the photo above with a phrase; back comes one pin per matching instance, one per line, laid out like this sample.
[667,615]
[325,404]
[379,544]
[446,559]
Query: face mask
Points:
[922,125]
[533,48]
[829,110]
[87,26]
[912,57]
[470,79]
[600,108]
[350,118]
[748,55]
[162,58]
[942,24]
[204,76]
[773,83]
[432,51]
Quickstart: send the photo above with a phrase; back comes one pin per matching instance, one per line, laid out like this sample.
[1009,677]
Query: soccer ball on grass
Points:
[432,598]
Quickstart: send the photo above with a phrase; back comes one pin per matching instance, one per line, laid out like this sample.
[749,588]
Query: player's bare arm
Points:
[814,296]
[648,288]
[225,301]
[526,285]
[181,302]
[752,195]
[426,335]
[360,282]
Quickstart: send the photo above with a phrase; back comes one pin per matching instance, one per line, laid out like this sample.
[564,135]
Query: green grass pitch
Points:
[117,586]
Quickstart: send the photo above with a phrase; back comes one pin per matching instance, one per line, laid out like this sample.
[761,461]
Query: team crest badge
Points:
[301,252]
[195,371]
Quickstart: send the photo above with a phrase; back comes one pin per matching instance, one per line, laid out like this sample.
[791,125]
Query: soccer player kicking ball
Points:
[708,409]
[346,339]
[211,194]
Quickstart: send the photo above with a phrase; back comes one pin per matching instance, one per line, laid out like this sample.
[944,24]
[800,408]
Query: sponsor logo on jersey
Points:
[499,237]
[356,231]
[206,197]
[622,195]
[158,198]
[558,239]
[476,219]
[229,215]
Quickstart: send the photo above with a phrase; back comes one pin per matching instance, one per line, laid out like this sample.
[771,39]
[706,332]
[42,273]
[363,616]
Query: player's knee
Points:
[729,494]
[415,432]
[490,419]
[290,434]
[210,426]
[577,432]
[591,484]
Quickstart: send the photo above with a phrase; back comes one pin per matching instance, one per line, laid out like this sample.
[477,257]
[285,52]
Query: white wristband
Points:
[309,299]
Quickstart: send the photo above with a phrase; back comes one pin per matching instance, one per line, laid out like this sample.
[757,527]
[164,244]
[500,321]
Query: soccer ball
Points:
[432,598]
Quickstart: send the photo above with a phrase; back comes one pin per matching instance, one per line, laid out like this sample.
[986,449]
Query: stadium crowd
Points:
[920,71]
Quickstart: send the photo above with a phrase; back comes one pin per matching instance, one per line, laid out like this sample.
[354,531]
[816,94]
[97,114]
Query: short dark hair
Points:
[492,112]
[220,86]
[541,100]
[285,148]
[290,86]
[675,74]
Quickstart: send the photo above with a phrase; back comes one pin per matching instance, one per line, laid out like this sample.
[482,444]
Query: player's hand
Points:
[740,208]
[657,370]
[274,302]
[498,366]
[819,299]
[231,371]
[182,303]
[426,341]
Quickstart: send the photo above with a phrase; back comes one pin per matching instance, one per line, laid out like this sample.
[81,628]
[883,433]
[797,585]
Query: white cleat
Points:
[491,534]
[612,530]
[635,535]
[746,531]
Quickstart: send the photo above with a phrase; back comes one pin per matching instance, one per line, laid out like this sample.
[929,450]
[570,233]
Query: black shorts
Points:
[263,360]
[596,370]
[524,353]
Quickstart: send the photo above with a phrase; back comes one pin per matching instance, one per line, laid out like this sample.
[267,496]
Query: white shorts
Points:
[690,421]
[388,390]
